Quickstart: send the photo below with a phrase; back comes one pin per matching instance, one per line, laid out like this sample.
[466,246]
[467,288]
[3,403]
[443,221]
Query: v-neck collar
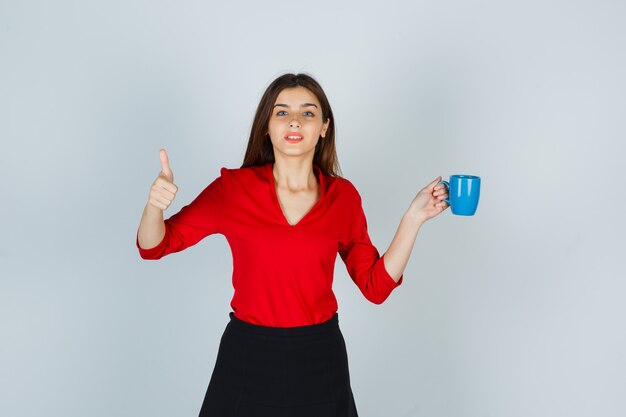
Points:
[320,179]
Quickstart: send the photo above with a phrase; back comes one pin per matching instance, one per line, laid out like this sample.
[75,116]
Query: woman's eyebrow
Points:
[301,105]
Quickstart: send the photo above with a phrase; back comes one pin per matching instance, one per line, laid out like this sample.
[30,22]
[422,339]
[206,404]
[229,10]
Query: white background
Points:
[517,311]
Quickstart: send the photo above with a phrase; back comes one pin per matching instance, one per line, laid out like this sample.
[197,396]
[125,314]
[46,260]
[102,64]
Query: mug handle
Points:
[447,184]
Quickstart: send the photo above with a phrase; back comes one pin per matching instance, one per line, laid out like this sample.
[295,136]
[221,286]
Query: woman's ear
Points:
[325,128]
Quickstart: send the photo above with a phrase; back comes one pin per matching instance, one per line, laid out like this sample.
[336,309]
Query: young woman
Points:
[285,213]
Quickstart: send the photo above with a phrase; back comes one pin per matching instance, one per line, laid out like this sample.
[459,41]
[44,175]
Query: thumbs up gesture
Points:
[163,190]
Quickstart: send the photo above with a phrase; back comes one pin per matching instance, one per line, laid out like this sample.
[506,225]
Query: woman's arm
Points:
[157,238]
[426,205]
[152,226]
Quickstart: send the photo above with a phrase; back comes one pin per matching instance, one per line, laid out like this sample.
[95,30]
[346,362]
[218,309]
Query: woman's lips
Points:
[293,137]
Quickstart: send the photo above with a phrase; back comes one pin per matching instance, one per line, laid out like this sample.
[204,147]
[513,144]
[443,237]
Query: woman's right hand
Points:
[163,190]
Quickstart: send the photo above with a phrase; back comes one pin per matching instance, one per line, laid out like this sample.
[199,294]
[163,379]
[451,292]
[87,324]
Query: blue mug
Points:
[463,194]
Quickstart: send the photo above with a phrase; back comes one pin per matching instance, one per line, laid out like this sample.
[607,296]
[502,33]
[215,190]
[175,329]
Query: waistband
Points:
[329,325]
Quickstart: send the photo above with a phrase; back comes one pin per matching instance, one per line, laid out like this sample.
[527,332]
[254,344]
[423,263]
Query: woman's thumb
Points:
[432,184]
[165,165]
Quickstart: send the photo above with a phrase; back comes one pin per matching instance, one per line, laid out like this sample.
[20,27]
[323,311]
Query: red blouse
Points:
[282,274]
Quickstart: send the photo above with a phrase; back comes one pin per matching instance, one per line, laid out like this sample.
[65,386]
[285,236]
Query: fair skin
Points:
[297,112]
[162,193]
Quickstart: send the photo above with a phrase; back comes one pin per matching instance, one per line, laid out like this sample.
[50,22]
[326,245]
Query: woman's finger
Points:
[165,165]
[162,182]
[166,194]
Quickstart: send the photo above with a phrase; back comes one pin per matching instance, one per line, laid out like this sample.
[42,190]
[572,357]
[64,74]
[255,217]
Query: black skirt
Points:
[280,372]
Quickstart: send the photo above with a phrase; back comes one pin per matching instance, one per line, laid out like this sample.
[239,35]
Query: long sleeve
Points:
[363,262]
[191,224]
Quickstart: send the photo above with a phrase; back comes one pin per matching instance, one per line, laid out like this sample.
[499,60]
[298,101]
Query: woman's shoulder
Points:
[344,186]
[257,172]
[341,182]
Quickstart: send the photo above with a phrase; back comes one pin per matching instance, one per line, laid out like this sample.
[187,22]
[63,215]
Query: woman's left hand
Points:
[428,203]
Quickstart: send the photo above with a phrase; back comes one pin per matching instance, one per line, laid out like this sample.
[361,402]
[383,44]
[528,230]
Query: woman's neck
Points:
[294,175]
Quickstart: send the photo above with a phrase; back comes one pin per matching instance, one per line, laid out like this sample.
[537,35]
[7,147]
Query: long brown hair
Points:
[260,150]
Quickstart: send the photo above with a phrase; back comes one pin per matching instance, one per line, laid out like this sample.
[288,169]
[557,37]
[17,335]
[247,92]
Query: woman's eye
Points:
[306,113]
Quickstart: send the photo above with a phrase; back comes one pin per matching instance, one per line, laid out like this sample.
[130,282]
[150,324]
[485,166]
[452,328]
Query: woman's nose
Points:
[294,123]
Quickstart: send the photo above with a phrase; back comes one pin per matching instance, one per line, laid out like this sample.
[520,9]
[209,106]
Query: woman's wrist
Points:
[413,217]
[153,212]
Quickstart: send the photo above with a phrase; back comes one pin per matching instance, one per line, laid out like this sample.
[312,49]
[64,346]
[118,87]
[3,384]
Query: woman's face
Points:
[296,123]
